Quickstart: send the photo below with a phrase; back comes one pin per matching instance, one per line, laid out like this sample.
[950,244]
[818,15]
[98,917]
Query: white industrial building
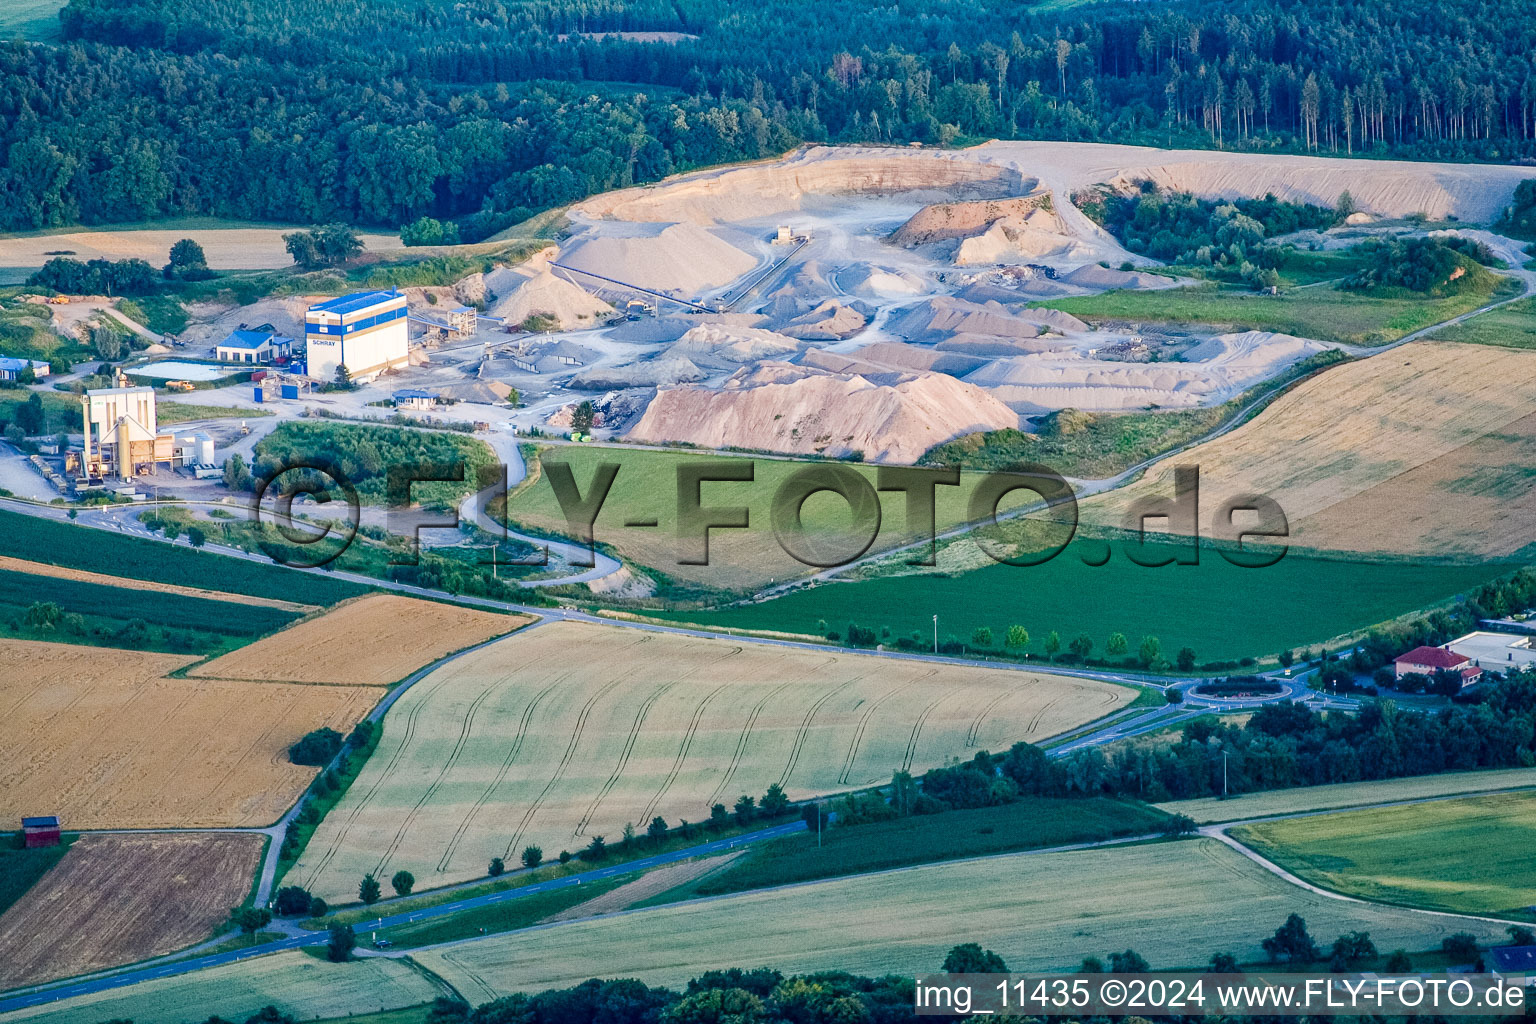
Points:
[364,331]
[122,438]
[1495,652]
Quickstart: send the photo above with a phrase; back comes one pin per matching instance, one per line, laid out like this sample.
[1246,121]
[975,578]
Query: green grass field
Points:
[78,547]
[501,917]
[1511,326]
[1348,794]
[1323,312]
[34,20]
[922,839]
[1220,610]
[183,412]
[20,869]
[160,313]
[1465,856]
[1174,903]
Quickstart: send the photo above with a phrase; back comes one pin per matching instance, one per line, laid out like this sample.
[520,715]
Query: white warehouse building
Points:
[364,331]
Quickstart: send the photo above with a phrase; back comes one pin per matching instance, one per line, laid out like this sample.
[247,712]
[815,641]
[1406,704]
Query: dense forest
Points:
[382,111]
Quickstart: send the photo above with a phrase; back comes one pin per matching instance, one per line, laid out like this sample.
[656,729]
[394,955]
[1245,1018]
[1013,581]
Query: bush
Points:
[316,748]
[293,901]
[533,856]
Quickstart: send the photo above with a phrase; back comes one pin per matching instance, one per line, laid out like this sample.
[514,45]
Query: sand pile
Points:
[889,356]
[882,282]
[286,315]
[943,222]
[649,373]
[679,259]
[1245,358]
[535,289]
[723,343]
[1105,279]
[993,347]
[1037,235]
[746,193]
[940,317]
[892,418]
[830,321]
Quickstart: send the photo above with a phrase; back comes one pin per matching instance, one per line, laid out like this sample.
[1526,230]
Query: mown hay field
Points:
[1175,904]
[295,982]
[227,248]
[1349,794]
[571,730]
[117,899]
[1414,451]
[104,739]
[1468,856]
[373,641]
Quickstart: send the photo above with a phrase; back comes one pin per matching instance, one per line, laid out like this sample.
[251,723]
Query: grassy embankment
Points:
[1349,794]
[1325,313]
[1470,855]
[1511,326]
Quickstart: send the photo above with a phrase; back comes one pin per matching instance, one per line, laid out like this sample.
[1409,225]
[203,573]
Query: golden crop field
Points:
[372,641]
[118,899]
[227,248]
[1175,904]
[1349,794]
[104,739]
[1417,451]
[571,730]
[295,982]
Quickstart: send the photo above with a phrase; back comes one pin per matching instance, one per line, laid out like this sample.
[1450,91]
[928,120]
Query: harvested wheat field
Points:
[117,899]
[1174,903]
[373,641]
[103,739]
[226,248]
[571,730]
[1415,451]
[62,573]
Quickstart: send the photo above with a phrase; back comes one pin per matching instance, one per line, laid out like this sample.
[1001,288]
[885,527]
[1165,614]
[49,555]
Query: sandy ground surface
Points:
[652,883]
[104,739]
[226,248]
[60,572]
[573,730]
[1417,451]
[117,899]
[372,641]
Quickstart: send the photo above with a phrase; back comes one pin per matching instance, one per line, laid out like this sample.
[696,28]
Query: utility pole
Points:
[1224,793]
[818,826]
[935,634]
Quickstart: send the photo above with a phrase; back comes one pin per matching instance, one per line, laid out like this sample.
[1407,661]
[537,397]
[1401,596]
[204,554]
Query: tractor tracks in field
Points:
[513,750]
[682,752]
[974,733]
[739,754]
[917,731]
[805,727]
[864,720]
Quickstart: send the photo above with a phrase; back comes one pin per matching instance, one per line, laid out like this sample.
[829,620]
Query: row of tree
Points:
[387,112]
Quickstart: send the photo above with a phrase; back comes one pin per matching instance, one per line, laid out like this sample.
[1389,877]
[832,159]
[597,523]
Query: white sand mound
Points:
[746,193]
[681,259]
[534,289]
[892,418]
[830,321]
[1066,323]
[725,343]
[1243,359]
[940,317]
[650,373]
[882,282]
[286,315]
[1037,235]
[1104,278]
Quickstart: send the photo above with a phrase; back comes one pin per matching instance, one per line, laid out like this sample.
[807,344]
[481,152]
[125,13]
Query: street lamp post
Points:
[935,634]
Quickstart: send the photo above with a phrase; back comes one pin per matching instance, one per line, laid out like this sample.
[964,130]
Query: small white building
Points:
[258,346]
[365,332]
[410,398]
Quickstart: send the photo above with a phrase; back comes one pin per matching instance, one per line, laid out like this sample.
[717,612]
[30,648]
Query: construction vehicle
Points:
[244,430]
[178,385]
[58,300]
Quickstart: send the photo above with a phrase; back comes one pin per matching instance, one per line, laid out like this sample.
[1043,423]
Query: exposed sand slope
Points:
[1389,188]
[649,373]
[761,190]
[1366,425]
[679,258]
[728,344]
[886,356]
[798,409]
[533,288]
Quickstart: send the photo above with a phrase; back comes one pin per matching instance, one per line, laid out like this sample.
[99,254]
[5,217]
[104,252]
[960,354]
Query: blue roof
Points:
[14,363]
[413,393]
[51,821]
[252,339]
[354,302]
